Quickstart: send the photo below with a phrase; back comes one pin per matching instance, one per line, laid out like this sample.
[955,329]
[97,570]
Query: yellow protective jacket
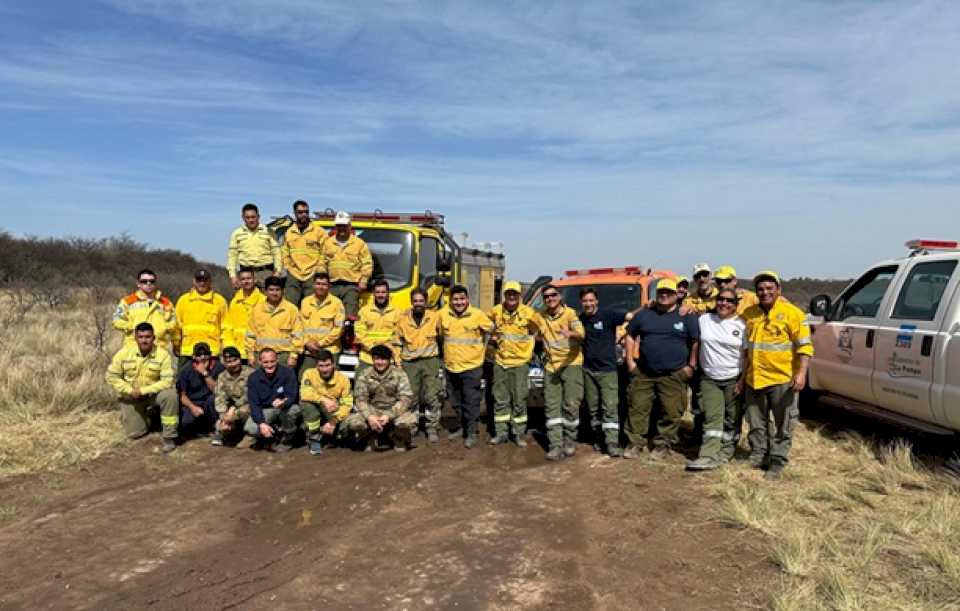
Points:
[253,249]
[747,299]
[775,340]
[201,319]
[302,251]
[323,322]
[561,351]
[701,305]
[238,315]
[279,328]
[464,341]
[418,341]
[151,373]
[375,327]
[313,388]
[135,308]
[516,334]
[350,262]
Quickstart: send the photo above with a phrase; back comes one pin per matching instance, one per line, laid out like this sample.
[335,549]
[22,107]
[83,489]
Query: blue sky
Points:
[809,137]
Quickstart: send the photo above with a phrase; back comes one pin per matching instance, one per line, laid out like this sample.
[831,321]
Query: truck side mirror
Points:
[820,305]
[444,261]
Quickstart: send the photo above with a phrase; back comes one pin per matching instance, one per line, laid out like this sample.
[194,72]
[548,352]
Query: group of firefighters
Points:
[265,364]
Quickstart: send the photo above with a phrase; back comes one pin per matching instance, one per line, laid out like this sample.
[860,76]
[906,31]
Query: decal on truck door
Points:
[845,343]
[905,337]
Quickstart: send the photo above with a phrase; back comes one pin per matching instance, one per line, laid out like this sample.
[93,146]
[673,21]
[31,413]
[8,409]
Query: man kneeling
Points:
[383,398]
[230,399]
[326,401]
[273,393]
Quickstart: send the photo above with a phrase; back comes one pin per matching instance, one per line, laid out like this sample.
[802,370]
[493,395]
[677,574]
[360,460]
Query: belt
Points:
[261,268]
[345,283]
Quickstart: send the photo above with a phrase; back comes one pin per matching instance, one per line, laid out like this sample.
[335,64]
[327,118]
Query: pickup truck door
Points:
[843,345]
[911,340]
[946,387]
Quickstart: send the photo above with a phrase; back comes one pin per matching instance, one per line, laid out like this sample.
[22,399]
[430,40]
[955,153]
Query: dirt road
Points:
[438,527]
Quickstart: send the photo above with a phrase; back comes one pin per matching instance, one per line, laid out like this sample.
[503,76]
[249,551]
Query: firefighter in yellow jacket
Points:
[326,400]
[201,314]
[252,245]
[515,334]
[349,263]
[417,335]
[302,253]
[703,298]
[377,324]
[726,277]
[146,304]
[142,376]
[323,318]
[275,323]
[238,312]
[562,334]
[779,350]
[464,329]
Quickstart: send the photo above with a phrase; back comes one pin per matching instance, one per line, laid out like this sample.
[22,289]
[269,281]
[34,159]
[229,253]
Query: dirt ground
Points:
[438,527]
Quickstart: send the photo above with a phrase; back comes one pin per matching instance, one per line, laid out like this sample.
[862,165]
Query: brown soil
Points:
[435,528]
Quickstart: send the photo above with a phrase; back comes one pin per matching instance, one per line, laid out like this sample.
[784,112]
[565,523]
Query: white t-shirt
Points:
[721,346]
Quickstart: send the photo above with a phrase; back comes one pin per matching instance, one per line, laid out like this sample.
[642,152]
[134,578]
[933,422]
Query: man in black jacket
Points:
[274,394]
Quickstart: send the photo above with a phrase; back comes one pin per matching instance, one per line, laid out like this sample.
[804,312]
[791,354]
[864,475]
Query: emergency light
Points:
[597,271]
[932,245]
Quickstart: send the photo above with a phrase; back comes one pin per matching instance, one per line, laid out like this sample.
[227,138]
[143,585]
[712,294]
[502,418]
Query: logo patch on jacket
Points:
[598,325]
[678,326]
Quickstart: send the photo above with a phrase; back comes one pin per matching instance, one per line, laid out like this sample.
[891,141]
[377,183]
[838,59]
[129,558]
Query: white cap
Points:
[342,218]
[701,267]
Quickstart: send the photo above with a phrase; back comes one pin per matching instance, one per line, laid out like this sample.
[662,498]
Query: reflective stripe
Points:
[554,422]
[559,344]
[503,418]
[520,419]
[463,341]
[318,330]
[731,436]
[313,425]
[340,264]
[265,341]
[425,351]
[514,337]
[771,347]
[713,434]
[251,335]
[611,426]
[571,423]
[803,341]
[168,420]
[379,335]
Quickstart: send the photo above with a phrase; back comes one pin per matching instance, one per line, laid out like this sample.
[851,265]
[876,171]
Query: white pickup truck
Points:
[889,344]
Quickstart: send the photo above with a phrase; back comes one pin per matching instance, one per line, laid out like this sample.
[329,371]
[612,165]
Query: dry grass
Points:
[854,524]
[57,409]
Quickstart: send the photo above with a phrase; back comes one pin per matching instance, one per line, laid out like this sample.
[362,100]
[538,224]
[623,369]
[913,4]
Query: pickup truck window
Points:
[864,297]
[923,290]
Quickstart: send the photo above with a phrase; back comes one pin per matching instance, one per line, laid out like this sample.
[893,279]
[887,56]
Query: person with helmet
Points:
[348,262]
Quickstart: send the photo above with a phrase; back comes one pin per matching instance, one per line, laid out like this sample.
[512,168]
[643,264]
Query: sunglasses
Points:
[147,281]
[550,295]
[721,280]
[726,300]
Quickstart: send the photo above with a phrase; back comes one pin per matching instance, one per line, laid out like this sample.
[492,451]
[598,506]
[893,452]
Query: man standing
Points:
[196,384]
[275,323]
[231,403]
[146,304]
[274,395]
[236,324]
[349,263]
[600,377]
[562,334]
[142,376]
[383,398]
[726,277]
[779,350]
[302,254]
[252,245]
[668,357]
[704,299]
[201,314]
[515,334]
[464,328]
[326,401]
[377,323]
[323,318]
[417,334]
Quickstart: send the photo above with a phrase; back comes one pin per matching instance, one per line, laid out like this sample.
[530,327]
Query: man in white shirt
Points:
[722,342]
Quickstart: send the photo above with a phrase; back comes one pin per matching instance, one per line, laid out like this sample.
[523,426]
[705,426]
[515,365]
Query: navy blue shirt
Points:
[600,343]
[261,390]
[192,383]
[665,339]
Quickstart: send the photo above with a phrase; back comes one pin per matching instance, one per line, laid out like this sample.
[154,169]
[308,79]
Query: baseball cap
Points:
[513,285]
[201,274]
[701,267]
[342,218]
[767,275]
[682,279]
[230,353]
[725,272]
[667,284]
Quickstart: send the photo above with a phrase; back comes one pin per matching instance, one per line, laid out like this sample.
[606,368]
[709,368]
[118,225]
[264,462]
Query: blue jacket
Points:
[262,390]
